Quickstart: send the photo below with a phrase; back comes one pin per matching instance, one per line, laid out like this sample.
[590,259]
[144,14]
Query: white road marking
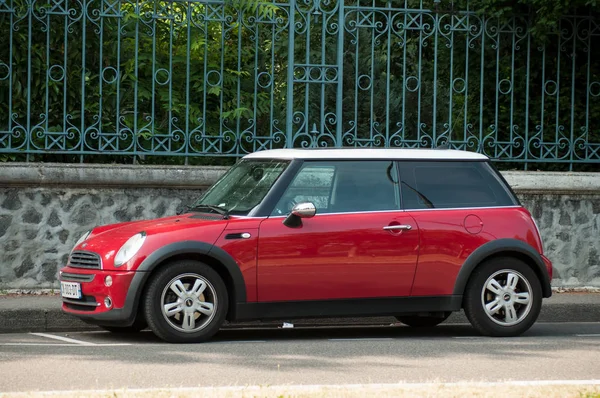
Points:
[564,323]
[364,339]
[61,338]
[533,383]
[75,342]
[296,389]
[238,341]
[64,344]
[105,332]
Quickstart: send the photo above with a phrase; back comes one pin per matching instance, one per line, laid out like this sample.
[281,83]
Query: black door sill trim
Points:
[388,306]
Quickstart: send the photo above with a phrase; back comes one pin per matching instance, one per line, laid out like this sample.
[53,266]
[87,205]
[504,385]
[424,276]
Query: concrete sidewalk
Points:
[42,313]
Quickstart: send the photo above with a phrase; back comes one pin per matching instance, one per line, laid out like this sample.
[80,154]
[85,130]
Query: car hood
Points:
[107,240]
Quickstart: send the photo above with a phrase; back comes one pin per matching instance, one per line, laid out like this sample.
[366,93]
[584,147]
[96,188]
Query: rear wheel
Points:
[503,297]
[429,321]
[186,302]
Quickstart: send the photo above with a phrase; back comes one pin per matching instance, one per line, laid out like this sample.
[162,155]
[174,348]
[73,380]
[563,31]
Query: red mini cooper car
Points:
[290,233]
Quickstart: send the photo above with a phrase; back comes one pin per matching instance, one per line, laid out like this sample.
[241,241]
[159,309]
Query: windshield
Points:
[244,186]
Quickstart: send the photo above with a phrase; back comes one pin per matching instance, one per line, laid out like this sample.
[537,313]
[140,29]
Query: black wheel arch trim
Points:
[126,316]
[198,247]
[498,247]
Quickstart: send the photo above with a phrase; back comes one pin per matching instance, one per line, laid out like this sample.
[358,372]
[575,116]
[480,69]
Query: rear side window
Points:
[452,185]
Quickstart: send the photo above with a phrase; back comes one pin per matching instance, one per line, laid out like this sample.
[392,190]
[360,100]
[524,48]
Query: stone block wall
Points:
[44,209]
[570,229]
[39,226]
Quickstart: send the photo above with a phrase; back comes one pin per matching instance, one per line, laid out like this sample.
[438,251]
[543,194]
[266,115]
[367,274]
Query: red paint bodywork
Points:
[243,251]
[107,240]
[331,256]
[445,242]
[337,256]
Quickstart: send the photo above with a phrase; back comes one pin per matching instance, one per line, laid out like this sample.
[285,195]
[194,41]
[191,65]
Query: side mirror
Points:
[300,211]
[304,210]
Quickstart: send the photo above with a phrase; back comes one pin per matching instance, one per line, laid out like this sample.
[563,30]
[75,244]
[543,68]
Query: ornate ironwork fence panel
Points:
[123,78]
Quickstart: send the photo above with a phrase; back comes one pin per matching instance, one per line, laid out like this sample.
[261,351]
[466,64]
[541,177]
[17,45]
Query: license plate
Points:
[70,290]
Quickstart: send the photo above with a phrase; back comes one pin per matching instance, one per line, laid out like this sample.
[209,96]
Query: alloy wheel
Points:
[189,302]
[507,297]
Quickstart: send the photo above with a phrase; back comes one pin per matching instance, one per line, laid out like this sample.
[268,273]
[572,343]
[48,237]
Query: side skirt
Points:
[388,306]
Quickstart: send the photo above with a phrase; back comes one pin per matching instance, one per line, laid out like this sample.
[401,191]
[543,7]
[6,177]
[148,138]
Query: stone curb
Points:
[101,175]
[48,317]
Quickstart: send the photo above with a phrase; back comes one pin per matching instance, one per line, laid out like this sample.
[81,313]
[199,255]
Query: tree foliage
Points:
[218,75]
[545,15]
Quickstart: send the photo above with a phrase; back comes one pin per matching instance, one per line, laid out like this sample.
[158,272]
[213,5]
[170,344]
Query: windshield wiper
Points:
[215,209]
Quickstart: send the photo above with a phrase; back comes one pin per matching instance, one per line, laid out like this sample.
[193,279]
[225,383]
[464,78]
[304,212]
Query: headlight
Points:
[83,238]
[128,250]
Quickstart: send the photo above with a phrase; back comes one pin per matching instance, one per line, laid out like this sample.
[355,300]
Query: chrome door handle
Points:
[396,227]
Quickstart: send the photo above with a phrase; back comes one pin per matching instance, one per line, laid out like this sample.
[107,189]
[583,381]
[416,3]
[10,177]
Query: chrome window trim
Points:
[411,210]
[350,212]
[467,208]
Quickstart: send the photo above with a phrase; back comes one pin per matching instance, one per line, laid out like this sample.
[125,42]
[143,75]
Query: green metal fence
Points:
[215,78]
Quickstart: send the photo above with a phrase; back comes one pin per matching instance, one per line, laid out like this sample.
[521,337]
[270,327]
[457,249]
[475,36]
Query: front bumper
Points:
[91,307]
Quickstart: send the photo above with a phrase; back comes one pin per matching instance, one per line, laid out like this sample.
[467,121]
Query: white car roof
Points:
[367,153]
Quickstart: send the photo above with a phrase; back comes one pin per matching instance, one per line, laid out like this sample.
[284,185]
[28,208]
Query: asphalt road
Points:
[351,355]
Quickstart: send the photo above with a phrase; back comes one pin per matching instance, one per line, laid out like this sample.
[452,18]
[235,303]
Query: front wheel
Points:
[186,302]
[503,297]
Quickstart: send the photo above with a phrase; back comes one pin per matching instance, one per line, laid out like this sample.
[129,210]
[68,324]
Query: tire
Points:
[186,302]
[138,325]
[416,321]
[503,297]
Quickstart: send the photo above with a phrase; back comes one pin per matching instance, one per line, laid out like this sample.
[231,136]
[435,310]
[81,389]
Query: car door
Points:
[358,245]
[454,203]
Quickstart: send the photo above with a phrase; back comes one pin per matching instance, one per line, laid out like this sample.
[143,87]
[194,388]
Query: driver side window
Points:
[312,184]
[343,187]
